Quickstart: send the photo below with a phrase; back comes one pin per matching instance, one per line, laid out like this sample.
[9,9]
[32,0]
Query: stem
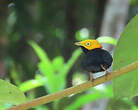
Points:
[74,89]
[55,105]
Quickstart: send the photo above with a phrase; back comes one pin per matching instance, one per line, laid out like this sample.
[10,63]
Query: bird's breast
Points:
[92,61]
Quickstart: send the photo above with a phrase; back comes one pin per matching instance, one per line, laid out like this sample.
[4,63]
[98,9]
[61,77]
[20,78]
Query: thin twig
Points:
[74,89]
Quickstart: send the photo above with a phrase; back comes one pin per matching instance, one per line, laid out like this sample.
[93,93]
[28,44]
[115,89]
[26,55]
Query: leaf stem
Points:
[74,89]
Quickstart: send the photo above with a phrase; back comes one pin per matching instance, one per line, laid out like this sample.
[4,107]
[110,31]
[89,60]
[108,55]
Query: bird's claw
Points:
[91,77]
[106,74]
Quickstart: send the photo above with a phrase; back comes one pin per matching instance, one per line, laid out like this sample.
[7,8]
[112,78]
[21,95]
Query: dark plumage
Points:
[93,59]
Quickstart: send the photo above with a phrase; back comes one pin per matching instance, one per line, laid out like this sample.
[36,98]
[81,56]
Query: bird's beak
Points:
[78,43]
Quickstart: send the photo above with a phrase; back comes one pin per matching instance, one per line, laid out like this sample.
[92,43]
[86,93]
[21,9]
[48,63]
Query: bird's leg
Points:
[91,77]
[106,72]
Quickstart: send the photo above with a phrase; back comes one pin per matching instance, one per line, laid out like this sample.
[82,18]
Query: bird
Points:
[95,58]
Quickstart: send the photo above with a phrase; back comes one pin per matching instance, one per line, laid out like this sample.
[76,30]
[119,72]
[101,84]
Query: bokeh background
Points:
[37,43]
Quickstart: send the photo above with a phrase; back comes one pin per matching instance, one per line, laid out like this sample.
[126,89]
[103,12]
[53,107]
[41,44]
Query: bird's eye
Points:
[88,44]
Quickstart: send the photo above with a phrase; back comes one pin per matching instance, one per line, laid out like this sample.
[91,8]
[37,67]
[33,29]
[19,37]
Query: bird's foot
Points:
[91,77]
[106,72]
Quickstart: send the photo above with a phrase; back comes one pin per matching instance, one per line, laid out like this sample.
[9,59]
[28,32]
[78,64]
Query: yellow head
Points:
[89,44]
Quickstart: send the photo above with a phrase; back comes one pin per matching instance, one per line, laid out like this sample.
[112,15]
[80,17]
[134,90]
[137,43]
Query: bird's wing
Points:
[107,58]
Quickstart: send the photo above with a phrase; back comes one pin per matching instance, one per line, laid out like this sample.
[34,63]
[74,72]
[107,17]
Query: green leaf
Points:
[82,34]
[107,39]
[10,93]
[71,61]
[134,108]
[41,107]
[46,68]
[125,53]
[63,73]
[5,106]
[30,84]
[94,95]
[49,69]
[58,63]
[84,99]
[79,78]
[133,2]
[14,74]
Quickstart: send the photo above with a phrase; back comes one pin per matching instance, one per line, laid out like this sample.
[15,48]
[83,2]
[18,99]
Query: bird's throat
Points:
[84,49]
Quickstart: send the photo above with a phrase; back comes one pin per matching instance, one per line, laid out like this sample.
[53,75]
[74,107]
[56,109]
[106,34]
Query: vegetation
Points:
[38,55]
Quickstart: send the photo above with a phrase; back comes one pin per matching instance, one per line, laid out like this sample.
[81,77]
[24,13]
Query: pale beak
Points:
[78,43]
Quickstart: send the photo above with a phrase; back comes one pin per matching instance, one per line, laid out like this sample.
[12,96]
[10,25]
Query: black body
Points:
[93,59]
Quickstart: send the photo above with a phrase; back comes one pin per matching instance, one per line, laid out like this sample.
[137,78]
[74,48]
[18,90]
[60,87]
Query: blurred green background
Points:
[37,52]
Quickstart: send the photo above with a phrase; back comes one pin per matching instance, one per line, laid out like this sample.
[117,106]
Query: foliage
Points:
[107,39]
[126,53]
[53,71]
[94,94]
[53,27]
[133,2]
[56,70]
[10,93]
[82,34]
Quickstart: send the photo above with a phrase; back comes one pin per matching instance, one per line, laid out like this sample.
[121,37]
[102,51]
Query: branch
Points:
[74,89]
